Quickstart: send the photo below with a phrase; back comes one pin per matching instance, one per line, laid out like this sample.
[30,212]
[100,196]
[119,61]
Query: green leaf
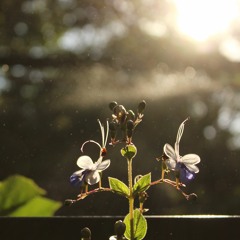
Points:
[37,207]
[21,196]
[129,151]
[142,184]
[118,186]
[17,190]
[140,226]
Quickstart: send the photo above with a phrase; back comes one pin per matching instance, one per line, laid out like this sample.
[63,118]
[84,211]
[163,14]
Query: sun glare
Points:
[202,19]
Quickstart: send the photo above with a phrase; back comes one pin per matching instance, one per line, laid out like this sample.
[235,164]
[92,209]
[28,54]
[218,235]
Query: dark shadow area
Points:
[102,228]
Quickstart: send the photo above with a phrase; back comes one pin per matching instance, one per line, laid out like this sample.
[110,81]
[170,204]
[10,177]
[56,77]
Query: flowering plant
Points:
[184,168]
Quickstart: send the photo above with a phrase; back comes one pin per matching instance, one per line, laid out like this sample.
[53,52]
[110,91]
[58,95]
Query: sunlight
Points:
[202,19]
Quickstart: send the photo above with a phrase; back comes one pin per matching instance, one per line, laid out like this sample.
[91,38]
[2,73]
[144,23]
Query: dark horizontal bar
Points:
[177,227]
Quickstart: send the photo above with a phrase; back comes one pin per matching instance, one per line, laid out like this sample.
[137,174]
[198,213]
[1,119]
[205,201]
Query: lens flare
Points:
[202,19]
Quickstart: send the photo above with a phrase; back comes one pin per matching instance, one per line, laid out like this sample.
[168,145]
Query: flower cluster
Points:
[125,121]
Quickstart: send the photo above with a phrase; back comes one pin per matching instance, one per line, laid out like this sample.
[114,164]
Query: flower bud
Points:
[141,106]
[68,202]
[192,197]
[119,228]
[130,125]
[131,115]
[112,126]
[112,105]
[120,113]
[113,129]
[129,152]
[85,234]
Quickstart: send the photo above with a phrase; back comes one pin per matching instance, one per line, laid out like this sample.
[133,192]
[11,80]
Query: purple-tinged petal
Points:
[189,175]
[185,174]
[74,180]
[78,178]
[85,162]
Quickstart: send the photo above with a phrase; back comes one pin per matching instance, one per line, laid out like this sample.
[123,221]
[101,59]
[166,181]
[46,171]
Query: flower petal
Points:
[169,151]
[185,174]
[93,177]
[190,159]
[85,162]
[192,168]
[99,160]
[78,173]
[103,165]
[77,178]
[171,163]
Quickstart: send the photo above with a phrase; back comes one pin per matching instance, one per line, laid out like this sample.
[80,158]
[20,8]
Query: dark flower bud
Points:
[112,105]
[120,113]
[130,125]
[113,129]
[85,234]
[192,197]
[112,126]
[141,106]
[131,115]
[119,228]
[68,202]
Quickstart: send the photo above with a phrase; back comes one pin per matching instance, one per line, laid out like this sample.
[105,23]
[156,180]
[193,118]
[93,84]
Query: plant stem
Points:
[131,199]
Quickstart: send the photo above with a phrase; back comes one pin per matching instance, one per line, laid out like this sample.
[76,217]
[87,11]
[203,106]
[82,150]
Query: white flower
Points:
[90,171]
[186,164]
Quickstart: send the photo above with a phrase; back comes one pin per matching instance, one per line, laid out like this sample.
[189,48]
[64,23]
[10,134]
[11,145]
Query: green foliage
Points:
[129,152]
[118,186]
[37,206]
[21,196]
[142,184]
[140,225]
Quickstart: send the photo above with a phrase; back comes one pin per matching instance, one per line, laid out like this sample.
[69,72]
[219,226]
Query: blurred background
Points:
[63,61]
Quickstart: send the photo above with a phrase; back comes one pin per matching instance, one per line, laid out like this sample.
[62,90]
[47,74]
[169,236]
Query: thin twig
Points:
[84,195]
[173,184]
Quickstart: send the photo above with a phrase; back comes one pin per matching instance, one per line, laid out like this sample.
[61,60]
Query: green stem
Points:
[131,199]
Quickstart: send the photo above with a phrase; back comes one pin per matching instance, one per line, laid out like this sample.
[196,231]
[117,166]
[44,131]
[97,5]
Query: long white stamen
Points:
[179,136]
[180,130]
[102,131]
[90,141]
[106,137]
